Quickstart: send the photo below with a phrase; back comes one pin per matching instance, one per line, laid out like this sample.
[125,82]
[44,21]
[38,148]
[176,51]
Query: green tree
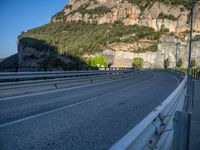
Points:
[180,63]
[193,63]
[138,62]
[97,61]
[166,63]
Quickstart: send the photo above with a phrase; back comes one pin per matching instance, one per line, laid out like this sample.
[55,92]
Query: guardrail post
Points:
[45,68]
[192,88]
[17,68]
[181,125]
[196,74]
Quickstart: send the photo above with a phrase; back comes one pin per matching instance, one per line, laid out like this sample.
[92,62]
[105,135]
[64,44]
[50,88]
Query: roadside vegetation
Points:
[166,63]
[138,62]
[193,63]
[97,61]
[180,63]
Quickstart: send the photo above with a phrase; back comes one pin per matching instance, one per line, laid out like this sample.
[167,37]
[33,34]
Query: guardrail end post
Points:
[91,81]
[181,123]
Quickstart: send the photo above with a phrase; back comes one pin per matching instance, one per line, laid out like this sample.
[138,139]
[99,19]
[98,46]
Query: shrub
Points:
[97,61]
[152,48]
[98,10]
[145,3]
[196,38]
[179,63]
[193,63]
[166,63]
[166,16]
[59,15]
[138,62]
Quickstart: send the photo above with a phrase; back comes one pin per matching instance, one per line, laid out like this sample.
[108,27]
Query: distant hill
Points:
[9,63]
[1,59]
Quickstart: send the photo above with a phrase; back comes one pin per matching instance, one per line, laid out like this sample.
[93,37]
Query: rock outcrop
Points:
[156,15]
[34,54]
[167,16]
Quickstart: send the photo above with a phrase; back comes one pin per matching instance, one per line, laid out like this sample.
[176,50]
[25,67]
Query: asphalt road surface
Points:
[92,117]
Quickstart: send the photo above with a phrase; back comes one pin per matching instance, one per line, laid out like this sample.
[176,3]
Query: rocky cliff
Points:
[155,14]
[166,49]
[118,29]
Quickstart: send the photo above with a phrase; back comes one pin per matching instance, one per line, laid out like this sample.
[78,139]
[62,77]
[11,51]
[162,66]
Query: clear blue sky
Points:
[20,15]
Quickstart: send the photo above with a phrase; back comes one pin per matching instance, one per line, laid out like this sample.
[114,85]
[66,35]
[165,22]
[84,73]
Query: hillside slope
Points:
[94,27]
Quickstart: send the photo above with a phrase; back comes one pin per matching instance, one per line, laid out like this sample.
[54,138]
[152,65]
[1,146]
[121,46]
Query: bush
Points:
[193,63]
[196,38]
[152,48]
[138,62]
[97,61]
[144,3]
[166,16]
[166,63]
[98,10]
[180,63]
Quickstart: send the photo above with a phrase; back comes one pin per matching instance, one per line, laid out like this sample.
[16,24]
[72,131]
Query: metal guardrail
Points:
[56,81]
[10,80]
[32,82]
[156,130]
[16,68]
[44,68]
[57,74]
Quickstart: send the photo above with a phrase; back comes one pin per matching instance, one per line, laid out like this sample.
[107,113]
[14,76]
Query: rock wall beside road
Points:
[166,49]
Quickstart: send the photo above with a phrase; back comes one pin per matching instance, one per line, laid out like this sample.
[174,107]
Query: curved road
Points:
[86,118]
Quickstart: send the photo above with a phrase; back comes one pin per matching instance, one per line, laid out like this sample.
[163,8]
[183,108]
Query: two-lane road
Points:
[87,117]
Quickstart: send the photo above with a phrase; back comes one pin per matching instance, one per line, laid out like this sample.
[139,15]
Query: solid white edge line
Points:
[66,89]
[75,104]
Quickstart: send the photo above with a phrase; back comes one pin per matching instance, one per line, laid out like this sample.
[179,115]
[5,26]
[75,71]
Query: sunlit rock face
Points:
[156,15]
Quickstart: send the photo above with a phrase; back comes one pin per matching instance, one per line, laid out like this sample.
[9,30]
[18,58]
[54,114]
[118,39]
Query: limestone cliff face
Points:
[33,54]
[166,49]
[156,15]
[177,23]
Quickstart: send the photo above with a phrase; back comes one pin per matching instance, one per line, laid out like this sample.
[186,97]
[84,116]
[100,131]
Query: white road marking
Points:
[75,104]
[66,89]
[174,78]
